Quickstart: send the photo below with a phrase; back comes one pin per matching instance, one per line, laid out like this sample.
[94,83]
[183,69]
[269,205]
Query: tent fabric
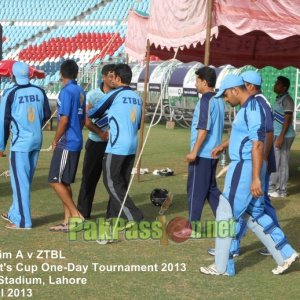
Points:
[136,37]
[6,70]
[254,48]
[255,32]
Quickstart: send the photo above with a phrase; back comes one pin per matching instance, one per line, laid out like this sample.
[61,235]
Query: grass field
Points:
[165,148]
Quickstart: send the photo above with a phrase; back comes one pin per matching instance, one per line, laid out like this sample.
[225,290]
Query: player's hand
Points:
[53,145]
[217,151]
[104,135]
[279,141]
[256,189]
[191,157]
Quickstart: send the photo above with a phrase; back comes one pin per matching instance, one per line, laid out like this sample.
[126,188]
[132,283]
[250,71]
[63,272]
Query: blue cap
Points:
[252,77]
[229,82]
[21,72]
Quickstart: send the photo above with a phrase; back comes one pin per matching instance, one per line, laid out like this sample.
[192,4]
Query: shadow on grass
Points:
[5,188]
[39,183]
[280,203]
[43,220]
[149,210]
[142,201]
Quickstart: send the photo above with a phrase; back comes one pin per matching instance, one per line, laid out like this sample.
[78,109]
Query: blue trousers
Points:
[238,192]
[269,210]
[202,185]
[22,167]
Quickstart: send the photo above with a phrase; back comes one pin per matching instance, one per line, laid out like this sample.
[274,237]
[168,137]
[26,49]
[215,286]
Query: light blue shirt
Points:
[248,126]
[208,115]
[124,109]
[23,110]
[92,98]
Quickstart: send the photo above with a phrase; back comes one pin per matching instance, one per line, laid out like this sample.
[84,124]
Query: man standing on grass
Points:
[284,136]
[206,133]
[124,110]
[23,110]
[67,142]
[94,147]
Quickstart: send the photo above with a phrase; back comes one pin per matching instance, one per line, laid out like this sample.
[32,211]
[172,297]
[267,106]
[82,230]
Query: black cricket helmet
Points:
[158,196]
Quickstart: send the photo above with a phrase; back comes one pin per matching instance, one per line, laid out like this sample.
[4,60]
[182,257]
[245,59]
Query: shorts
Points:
[63,166]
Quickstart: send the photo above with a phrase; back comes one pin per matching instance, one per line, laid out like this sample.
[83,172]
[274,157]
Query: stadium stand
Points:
[92,32]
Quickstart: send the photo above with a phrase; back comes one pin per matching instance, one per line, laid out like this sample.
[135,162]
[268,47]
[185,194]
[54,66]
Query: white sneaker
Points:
[274,195]
[211,270]
[286,265]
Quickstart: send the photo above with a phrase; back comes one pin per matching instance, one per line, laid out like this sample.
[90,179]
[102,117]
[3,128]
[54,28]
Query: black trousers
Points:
[91,172]
[116,177]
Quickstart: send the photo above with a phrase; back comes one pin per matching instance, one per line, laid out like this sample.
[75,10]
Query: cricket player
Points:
[243,191]
[206,133]
[67,142]
[253,82]
[94,147]
[124,115]
[23,111]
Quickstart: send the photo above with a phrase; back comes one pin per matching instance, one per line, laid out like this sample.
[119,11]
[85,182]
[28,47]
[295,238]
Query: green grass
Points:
[165,148]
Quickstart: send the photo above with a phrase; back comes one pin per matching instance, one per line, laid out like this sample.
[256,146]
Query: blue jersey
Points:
[71,103]
[23,110]
[92,98]
[208,115]
[124,116]
[248,127]
[269,128]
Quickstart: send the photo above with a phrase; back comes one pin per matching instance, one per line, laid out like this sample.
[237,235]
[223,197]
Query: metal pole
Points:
[208,31]
[145,95]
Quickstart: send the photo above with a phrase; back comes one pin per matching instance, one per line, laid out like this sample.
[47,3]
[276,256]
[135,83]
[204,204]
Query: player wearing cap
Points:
[243,190]
[253,83]
[24,108]
[95,146]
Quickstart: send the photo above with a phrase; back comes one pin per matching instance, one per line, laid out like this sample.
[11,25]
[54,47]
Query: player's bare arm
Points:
[288,118]
[61,128]
[257,159]
[190,157]
[219,149]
